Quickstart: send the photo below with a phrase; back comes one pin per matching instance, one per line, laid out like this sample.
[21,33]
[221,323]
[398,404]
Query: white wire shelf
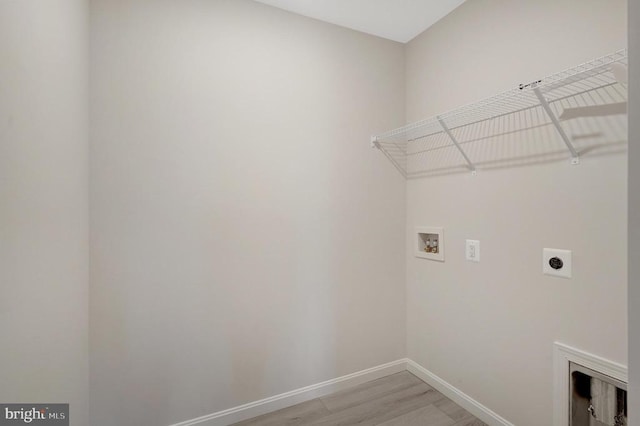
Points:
[576,111]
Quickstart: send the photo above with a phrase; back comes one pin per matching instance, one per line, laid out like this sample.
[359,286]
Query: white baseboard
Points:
[287,399]
[465,401]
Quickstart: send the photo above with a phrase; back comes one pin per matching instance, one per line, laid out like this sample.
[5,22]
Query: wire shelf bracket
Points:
[575,158]
[457,145]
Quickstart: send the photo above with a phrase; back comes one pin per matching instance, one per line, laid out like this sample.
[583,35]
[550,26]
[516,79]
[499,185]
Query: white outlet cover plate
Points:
[564,255]
[473,250]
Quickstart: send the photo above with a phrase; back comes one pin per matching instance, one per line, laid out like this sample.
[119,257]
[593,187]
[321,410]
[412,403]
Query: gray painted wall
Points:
[488,328]
[634,213]
[44,234]
[246,240]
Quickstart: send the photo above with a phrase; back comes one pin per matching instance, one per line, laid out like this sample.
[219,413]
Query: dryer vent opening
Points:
[596,399]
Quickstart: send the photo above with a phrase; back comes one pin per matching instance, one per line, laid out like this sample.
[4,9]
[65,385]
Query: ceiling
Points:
[398,20]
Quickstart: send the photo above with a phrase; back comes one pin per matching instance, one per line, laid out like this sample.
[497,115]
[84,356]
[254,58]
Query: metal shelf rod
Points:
[515,111]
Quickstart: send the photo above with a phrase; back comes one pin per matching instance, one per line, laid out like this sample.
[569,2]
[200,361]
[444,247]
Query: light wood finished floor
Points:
[397,400]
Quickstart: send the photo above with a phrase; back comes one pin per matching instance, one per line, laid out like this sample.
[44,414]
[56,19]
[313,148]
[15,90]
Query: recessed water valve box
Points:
[429,243]
[556,262]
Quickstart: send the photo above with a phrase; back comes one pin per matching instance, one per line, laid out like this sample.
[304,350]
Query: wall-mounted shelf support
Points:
[455,142]
[575,158]
[374,142]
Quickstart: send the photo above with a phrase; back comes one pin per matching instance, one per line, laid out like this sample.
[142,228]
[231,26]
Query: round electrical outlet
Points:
[556,263]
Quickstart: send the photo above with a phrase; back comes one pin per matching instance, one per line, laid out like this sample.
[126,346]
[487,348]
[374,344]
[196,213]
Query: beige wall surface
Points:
[488,328]
[634,214]
[44,233]
[246,240]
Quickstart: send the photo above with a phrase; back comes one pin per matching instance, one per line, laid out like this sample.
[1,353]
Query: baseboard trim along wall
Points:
[287,399]
[456,395]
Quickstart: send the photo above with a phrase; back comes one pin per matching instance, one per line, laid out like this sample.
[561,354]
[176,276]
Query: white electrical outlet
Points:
[556,262]
[473,250]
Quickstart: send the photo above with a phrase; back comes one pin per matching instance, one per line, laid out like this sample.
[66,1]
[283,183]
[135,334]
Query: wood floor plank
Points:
[397,400]
[426,416]
[381,409]
[470,421]
[452,409]
[300,414]
[370,390]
